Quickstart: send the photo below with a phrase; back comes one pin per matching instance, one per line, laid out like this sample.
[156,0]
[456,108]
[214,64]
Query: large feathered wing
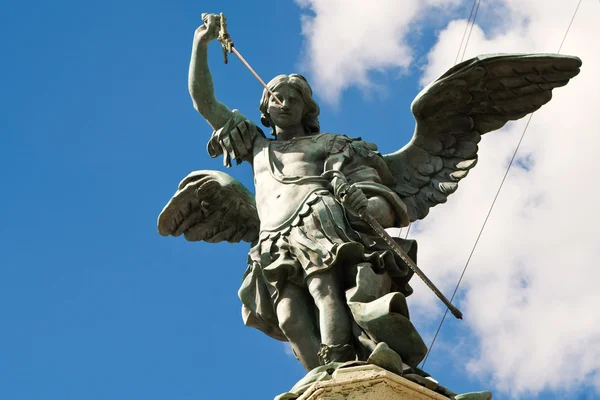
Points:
[211,206]
[474,97]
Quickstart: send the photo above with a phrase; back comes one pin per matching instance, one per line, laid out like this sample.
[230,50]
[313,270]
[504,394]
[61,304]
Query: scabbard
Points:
[376,226]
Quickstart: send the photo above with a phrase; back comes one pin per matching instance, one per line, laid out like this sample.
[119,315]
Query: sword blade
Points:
[228,46]
[411,264]
[243,60]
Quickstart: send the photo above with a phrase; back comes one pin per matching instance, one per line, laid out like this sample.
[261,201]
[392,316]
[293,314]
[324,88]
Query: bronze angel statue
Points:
[318,277]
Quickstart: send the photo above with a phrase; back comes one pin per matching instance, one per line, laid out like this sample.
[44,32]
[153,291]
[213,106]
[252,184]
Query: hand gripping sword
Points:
[228,47]
[381,232]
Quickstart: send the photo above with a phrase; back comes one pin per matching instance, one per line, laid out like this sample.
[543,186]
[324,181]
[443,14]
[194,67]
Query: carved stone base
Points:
[368,382]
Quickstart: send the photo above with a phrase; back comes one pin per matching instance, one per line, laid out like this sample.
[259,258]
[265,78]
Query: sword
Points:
[228,47]
[376,226]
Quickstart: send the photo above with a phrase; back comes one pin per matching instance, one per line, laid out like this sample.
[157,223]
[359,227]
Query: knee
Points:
[292,327]
[290,320]
[325,292]
[321,286]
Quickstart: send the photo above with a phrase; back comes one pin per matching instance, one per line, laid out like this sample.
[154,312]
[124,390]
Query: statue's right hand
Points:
[209,30]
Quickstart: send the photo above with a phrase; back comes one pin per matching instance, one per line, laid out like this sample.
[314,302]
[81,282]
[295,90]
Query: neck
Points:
[289,132]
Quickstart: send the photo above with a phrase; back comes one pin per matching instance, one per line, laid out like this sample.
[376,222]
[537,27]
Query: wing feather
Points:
[210,206]
[474,97]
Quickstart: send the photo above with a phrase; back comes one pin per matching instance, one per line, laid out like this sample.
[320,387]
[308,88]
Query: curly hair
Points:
[310,120]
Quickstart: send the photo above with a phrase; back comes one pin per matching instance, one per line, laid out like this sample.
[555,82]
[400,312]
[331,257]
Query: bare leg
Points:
[334,318]
[297,323]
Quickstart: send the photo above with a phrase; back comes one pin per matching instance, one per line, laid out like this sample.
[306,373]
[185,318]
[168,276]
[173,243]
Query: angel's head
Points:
[299,105]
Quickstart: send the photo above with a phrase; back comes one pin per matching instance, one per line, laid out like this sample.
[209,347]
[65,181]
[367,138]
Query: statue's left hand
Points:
[234,141]
[354,199]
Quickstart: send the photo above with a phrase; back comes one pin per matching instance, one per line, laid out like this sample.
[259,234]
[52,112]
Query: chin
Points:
[287,124]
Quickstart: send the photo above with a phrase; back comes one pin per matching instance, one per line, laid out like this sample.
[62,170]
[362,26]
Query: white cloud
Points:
[531,295]
[531,291]
[348,39]
[287,349]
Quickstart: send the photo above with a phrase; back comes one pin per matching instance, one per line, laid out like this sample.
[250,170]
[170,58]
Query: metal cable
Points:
[569,27]
[465,33]
[469,22]
[492,205]
[478,237]
[470,30]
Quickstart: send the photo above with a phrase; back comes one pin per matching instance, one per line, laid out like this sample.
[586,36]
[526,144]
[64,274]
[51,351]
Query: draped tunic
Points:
[315,233]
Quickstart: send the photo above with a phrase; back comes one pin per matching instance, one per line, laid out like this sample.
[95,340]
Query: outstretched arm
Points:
[200,83]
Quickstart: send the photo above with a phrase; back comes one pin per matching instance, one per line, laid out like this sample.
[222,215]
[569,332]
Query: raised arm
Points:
[200,83]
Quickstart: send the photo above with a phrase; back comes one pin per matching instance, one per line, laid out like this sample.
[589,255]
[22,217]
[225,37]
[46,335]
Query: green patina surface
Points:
[318,276]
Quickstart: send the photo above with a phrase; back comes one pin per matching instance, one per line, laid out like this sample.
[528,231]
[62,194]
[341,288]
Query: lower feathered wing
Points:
[211,206]
[474,97]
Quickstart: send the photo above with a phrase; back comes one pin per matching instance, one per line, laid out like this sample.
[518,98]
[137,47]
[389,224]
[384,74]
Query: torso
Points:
[292,161]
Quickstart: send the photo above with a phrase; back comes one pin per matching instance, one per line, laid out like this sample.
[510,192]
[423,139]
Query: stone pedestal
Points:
[368,382]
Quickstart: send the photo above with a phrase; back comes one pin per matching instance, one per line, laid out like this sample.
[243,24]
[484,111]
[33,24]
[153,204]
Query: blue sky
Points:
[96,131]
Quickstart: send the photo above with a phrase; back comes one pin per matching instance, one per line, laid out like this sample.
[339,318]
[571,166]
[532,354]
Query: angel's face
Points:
[292,112]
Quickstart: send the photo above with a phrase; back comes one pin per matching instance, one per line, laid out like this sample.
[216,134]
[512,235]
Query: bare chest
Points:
[284,173]
[294,158]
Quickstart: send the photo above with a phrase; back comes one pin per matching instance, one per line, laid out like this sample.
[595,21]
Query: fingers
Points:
[212,22]
[208,31]
[245,133]
[340,188]
[355,199]
[210,19]
[237,141]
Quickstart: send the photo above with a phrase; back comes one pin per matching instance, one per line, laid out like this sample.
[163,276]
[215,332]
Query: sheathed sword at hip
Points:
[411,264]
[381,232]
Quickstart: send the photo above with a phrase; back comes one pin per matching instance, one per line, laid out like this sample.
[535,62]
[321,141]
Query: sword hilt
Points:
[224,38]
[342,188]
[228,47]
[340,191]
